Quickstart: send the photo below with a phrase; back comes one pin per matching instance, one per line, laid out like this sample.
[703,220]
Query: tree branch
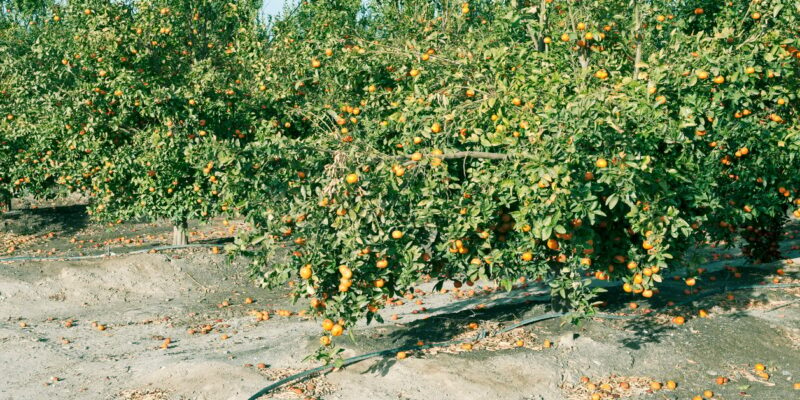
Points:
[638,38]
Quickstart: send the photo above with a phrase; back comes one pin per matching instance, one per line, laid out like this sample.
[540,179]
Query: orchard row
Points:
[372,144]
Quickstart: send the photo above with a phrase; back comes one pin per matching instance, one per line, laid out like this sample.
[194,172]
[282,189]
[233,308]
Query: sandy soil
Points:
[51,347]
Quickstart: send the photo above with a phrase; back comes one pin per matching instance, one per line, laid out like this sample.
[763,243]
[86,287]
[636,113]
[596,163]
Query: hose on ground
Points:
[109,253]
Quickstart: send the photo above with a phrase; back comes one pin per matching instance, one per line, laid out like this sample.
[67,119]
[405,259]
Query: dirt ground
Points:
[52,345]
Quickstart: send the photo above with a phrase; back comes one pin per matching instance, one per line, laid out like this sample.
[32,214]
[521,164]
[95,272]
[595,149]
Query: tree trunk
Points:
[179,236]
[7,204]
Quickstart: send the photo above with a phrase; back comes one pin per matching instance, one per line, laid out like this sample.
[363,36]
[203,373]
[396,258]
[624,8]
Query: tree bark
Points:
[179,236]
[7,204]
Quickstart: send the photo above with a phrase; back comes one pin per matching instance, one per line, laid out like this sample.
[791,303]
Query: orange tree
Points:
[151,110]
[23,84]
[8,40]
[553,140]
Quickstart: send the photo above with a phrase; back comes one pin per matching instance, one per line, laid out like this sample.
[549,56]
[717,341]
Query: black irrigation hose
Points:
[483,334]
[387,352]
[108,253]
[725,288]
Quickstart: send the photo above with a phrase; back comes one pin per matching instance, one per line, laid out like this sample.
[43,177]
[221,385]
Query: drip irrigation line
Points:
[725,288]
[539,318]
[382,353]
[108,253]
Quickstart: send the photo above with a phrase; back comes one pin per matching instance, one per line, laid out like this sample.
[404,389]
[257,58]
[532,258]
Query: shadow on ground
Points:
[35,221]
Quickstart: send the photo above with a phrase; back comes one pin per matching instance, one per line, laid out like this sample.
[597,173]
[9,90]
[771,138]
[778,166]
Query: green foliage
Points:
[500,150]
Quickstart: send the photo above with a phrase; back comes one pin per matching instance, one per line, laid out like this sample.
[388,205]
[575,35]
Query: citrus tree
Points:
[150,110]
[23,83]
[555,141]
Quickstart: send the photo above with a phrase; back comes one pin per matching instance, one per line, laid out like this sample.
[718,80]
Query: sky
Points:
[273,7]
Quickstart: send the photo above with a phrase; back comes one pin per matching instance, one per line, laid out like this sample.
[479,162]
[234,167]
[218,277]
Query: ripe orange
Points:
[671,385]
[678,320]
[351,179]
[601,163]
[760,367]
[401,355]
[655,385]
[436,127]
[397,234]
[552,244]
[601,74]
[316,63]
[527,256]
[627,287]
[325,340]
[327,324]
[305,271]
[702,74]
[337,330]
[708,394]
